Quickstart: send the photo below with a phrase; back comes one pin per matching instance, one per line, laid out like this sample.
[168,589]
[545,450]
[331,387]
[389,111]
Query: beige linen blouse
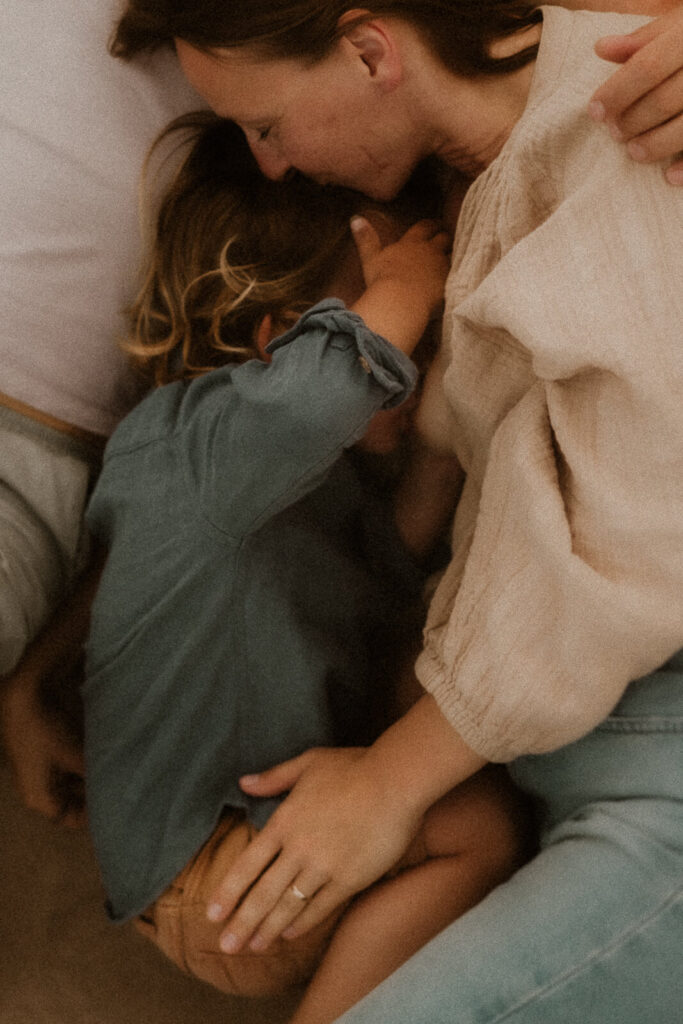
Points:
[563,399]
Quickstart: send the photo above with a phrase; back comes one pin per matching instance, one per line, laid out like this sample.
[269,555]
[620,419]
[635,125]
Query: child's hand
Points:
[336,833]
[47,766]
[642,103]
[417,262]
[404,280]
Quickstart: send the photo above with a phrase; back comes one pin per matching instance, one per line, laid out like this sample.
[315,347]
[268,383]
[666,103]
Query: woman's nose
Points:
[272,164]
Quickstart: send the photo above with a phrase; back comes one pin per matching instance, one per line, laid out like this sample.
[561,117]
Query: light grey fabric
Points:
[45,477]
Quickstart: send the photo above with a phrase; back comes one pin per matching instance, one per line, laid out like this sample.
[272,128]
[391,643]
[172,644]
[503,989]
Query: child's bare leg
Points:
[474,838]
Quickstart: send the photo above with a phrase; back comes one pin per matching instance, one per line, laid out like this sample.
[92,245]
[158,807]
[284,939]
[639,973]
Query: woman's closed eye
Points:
[256,132]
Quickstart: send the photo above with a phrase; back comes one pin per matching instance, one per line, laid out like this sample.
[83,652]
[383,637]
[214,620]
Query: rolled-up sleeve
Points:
[262,436]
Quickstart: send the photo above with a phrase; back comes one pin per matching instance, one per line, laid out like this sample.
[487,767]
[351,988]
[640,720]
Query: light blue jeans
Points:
[591,930]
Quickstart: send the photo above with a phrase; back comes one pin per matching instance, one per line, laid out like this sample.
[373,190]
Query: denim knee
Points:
[634,757]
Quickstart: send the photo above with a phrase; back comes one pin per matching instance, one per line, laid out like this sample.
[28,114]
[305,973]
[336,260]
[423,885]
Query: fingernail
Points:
[636,151]
[616,133]
[249,780]
[214,911]
[596,110]
[257,943]
[229,943]
[358,223]
[674,175]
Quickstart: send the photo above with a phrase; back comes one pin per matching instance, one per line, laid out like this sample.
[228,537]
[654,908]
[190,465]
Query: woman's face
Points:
[329,121]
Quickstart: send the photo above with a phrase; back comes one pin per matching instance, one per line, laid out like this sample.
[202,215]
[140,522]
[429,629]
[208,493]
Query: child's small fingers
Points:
[658,57]
[620,47]
[365,236]
[42,800]
[71,760]
[628,84]
[426,229]
[444,240]
[659,143]
[67,788]
[653,111]
[616,49]
[674,173]
[73,818]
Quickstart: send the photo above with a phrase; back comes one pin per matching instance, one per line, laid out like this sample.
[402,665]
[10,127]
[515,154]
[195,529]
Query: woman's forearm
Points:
[421,756]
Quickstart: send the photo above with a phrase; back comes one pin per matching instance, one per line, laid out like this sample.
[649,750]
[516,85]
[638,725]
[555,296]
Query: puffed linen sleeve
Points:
[567,578]
[265,434]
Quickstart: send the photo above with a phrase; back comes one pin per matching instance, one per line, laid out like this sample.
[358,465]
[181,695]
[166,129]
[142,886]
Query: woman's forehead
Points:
[240,83]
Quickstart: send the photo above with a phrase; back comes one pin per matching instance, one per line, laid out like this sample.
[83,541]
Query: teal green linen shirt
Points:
[248,573]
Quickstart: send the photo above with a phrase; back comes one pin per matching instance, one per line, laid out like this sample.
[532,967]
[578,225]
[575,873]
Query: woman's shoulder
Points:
[555,150]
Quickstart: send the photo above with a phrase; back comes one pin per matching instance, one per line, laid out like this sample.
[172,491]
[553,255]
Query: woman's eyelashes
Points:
[256,133]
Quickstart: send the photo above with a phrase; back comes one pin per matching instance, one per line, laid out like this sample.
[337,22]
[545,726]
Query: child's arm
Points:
[328,377]
[349,817]
[404,280]
[642,102]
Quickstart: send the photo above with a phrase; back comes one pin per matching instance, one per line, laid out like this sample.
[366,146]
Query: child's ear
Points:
[270,328]
[265,333]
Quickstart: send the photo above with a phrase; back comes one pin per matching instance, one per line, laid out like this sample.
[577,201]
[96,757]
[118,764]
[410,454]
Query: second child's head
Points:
[231,248]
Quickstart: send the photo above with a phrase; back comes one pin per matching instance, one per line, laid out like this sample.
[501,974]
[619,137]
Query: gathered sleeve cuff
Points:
[392,369]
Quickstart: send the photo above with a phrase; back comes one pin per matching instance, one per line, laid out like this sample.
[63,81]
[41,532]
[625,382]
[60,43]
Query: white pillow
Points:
[75,125]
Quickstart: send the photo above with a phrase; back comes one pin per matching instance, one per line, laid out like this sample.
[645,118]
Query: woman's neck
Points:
[472,118]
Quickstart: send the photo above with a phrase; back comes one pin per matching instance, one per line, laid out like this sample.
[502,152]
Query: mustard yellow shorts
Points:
[178,925]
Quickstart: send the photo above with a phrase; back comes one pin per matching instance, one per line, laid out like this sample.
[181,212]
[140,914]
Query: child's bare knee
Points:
[485,818]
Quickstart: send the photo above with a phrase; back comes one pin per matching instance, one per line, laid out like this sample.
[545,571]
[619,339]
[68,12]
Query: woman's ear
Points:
[375,44]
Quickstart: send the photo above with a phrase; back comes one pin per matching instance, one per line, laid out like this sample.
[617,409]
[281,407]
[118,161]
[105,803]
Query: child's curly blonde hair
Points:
[228,247]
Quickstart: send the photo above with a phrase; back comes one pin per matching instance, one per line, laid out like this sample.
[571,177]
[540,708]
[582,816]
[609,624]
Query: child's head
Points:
[231,247]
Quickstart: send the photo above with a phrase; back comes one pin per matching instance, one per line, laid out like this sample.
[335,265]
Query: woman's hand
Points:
[349,817]
[642,103]
[337,832]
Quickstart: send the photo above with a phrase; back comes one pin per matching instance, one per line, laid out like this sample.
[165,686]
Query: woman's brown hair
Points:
[459,31]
